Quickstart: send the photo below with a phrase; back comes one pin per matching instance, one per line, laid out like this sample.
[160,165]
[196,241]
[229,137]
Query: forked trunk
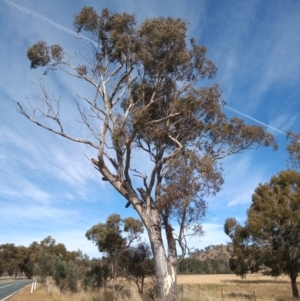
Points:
[166,273]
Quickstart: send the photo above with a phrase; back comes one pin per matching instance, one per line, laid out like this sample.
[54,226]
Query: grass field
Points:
[230,287]
[190,287]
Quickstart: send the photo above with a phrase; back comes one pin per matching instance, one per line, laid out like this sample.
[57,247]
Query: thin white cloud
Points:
[54,24]
[242,176]
[241,194]
[29,213]
[213,234]
[284,121]
[22,189]
[281,65]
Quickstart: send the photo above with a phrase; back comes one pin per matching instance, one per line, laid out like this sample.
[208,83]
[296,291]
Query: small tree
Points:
[97,274]
[59,273]
[147,98]
[44,265]
[138,264]
[65,274]
[270,238]
[108,237]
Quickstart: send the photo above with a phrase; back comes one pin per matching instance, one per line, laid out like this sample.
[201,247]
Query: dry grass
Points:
[233,288]
[49,292]
[191,288]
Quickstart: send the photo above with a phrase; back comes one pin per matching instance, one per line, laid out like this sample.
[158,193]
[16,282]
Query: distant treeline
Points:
[44,258]
[208,266]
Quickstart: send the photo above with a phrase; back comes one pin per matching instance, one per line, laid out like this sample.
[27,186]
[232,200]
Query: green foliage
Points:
[59,273]
[44,265]
[9,259]
[113,238]
[44,259]
[138,264]
[271,236]
[73,276]
[108,236]
[65,274]
[96,276]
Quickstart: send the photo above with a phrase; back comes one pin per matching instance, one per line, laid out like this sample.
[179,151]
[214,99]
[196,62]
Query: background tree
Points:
[44,265]
[293,149]
[10,259]
[81,260]
[147,98]
[96,275]
[30,256]
[138,264]
[271,235]
[43,256]
[109,240]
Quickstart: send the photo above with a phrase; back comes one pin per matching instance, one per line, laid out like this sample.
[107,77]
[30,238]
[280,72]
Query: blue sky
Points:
[48,187]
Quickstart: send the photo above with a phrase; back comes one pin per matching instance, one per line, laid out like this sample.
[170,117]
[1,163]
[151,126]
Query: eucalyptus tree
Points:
[9,259]
[113,239]
[138,265]
[270,239]
[147,99]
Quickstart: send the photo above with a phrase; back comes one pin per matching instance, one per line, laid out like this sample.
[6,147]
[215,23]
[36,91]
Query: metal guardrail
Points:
[6,279]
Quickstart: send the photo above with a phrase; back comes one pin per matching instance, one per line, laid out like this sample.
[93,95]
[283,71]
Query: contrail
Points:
[256,120]
[58,26]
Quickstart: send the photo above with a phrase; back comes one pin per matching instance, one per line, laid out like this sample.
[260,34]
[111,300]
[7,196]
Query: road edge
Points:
[14,293]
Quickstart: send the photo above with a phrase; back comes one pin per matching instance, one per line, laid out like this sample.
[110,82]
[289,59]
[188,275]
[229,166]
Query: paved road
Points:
[9,288]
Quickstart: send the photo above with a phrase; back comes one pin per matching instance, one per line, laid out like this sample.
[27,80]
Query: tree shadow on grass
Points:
[243,296]
[245,281]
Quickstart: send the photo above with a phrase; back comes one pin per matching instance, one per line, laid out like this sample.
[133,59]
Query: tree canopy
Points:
[148,99]
[270,239]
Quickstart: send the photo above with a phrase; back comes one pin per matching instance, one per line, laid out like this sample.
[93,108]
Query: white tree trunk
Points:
[166,273]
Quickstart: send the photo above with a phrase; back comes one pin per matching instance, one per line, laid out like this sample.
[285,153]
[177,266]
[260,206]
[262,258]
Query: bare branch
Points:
[84,141]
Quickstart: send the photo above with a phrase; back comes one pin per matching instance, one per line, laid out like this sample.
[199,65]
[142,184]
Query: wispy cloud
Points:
[213,234]
[284,121]
[281,65]
[255,47]
[54,24]
[30,213]
[241,185]
[242,175]
[34,14]
[241,194]
[254,119]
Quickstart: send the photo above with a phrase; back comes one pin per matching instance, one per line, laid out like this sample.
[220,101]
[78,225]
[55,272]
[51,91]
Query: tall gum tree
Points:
[147,98]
